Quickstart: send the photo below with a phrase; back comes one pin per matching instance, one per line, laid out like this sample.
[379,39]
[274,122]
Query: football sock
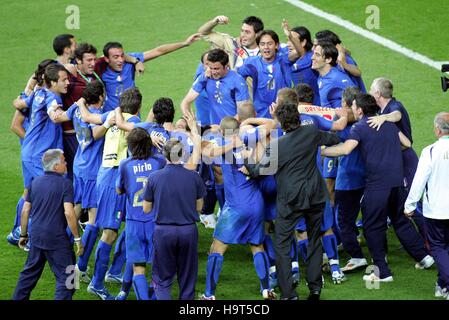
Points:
[262,265]
[140,286]
[269,249]
[213,269]
[88,240]
[119,256]
[101,264]
[302,248]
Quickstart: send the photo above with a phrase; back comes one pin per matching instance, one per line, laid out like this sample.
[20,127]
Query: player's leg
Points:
[262,264]
[213,268]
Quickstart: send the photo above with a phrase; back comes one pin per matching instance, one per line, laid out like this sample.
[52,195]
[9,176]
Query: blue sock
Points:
[101,264]
[119,256]
[302,248]
[269,249]
[88,239]
[330,247]
[219,191]
[19,208]
[262,265]
[127,277]
[140,285]
[213,269]
[294,251]
[335,226]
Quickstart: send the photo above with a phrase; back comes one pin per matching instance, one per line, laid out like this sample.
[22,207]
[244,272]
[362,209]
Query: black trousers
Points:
[283,232]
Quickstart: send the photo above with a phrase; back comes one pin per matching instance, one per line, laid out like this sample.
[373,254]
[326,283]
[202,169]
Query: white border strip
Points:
[367,34]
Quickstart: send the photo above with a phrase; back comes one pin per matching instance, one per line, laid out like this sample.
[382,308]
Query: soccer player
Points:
[43,133]
[225,89]
[131,181]
[119,74]
[300,46]
[382,157]
[20,124]
[110,206]
[345,62]
[239,48]
[270,72]
[242,217]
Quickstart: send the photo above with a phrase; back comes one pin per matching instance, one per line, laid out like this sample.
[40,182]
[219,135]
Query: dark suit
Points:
[301,191]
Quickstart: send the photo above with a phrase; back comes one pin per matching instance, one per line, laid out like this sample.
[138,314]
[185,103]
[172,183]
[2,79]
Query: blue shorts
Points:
[326,223]
[139,241]
[85,192]
[270,210]
[267,185]
[330,166]
[110,208]
[240,227]
[30,171]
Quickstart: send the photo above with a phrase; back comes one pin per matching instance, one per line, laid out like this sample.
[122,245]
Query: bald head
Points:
[229,126]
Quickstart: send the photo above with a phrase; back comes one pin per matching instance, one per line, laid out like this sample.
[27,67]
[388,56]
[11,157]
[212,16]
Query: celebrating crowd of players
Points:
[120,164]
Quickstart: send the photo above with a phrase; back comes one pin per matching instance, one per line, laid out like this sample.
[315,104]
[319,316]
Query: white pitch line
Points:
[367,34]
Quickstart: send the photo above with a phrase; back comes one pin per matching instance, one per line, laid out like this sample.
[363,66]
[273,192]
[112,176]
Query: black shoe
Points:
[314,296]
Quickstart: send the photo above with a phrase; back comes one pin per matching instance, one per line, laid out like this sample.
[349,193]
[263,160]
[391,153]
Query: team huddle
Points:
[83,113]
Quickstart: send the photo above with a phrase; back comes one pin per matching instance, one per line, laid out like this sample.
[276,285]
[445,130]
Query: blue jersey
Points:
[154,130]
[302,72]
[88,156]
[357,80]
[223,94]
[268,78]
[117,82]
[42,134]
[241,193]
[351,170]
[318,121]
[404,124]
[331,87]
[202,101]
[187,144]
[26,111]
[132,179]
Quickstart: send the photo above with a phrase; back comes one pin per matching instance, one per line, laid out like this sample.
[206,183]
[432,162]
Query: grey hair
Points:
[50,158]
[384,86]
[442,122]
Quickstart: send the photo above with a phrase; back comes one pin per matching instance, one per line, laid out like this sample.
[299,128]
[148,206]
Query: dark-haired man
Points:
[383,195]
[239,48]
[131,181]
[301,191]
[270,72]
[64,46]
[119,74]
[226,89]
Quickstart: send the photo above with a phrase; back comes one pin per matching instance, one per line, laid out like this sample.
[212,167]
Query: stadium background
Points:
[28,29]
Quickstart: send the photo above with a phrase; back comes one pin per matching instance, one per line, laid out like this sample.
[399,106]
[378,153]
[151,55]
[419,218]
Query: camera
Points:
[444,80]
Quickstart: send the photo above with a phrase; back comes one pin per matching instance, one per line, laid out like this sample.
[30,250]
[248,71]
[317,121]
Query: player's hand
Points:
[273,108]
[191,121]
[22,242]
[140,68]
[341,112]
[409,214]
[244,170]
[194,37]
[81,102]
[208,72]
[221,20]
[286,28]
[158,142]
[376,122]
[79,248]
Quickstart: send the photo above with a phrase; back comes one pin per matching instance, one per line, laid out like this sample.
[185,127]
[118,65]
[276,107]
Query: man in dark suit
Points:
[301,192]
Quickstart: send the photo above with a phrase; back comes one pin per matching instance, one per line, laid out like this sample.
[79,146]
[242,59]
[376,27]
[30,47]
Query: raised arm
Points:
[170,47]
[206,28]
[299,49]
[351,68]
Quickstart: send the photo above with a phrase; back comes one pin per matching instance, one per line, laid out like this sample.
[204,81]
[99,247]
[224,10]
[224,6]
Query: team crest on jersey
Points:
[218,95]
